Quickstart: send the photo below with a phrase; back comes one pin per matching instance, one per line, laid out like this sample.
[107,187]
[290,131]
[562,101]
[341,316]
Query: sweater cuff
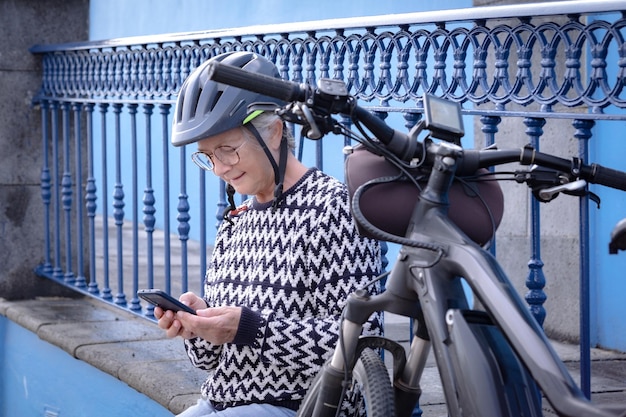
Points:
[249,324]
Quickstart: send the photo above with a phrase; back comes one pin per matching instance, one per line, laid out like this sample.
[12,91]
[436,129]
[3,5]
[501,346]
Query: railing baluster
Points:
[132,111]
[165,110]
[66,186]
[183,220]
[149,219]
[583,134]
[57,272]
[536,280]
[46,195]
[118,206]
[80,281]
[221,204]
[90,198]
[106,290]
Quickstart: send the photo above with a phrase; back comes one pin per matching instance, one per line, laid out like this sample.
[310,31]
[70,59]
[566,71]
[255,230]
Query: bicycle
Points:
[493,357]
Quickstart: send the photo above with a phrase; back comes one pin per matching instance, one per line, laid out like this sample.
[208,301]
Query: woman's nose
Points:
[220,168]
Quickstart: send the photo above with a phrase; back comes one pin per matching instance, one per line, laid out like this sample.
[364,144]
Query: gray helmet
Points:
[206,108]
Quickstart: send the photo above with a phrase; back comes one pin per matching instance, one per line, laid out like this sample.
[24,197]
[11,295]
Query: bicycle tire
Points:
[374,397]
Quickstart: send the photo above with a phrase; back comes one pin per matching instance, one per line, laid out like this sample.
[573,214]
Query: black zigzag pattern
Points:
[295,268]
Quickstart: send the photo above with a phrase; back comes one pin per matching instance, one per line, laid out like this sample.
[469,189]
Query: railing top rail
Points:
[572,7]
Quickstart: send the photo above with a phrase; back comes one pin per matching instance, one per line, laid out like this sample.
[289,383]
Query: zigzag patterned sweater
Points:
[291,271]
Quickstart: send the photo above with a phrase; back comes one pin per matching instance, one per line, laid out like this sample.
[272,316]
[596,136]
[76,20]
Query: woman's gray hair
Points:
[264,123]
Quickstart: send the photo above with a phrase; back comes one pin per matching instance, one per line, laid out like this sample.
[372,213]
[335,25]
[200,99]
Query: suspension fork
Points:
[407,388]
[334,374]
[359,307]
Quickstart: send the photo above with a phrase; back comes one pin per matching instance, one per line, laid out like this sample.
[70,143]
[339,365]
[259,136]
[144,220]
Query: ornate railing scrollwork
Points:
[558,62]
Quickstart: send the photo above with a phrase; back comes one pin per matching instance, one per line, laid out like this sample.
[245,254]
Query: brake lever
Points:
[313,126]
[312,131]
[571,188]
[541,182]
[539,179]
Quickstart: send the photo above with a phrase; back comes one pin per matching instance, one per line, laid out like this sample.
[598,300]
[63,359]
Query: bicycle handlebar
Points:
[338,101]
[593,173]
[258,83]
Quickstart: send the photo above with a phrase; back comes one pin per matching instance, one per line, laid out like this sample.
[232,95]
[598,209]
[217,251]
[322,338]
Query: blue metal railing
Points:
[552,67]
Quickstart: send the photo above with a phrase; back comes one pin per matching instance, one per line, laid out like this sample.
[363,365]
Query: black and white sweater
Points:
[291,271]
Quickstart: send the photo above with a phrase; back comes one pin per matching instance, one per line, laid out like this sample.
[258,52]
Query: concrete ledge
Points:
[136,351]
[128,347]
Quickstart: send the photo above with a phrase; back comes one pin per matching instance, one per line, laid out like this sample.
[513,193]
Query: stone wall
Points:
[24,23]
[559,218]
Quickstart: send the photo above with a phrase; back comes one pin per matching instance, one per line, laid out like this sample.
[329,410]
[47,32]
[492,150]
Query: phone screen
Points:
[165,301]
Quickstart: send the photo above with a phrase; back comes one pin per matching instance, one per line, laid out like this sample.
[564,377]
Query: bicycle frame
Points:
[426,285]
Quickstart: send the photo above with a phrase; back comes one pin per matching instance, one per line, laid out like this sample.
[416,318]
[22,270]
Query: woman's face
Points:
[253,174]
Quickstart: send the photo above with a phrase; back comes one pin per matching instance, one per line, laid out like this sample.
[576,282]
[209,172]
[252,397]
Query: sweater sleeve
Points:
[203,354]
[249,325]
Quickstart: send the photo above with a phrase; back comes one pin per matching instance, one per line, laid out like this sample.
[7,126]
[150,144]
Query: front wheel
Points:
[370,392]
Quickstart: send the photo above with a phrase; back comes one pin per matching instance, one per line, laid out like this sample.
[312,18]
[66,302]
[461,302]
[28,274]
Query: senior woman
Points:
[283,262]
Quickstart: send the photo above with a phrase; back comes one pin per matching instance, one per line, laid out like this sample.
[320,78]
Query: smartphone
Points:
[164,300]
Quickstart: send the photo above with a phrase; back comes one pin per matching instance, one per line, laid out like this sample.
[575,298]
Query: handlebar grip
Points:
[259,83]
[607,176]
[397,142]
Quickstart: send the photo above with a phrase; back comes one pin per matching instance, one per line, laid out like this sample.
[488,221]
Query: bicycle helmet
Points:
[206,108]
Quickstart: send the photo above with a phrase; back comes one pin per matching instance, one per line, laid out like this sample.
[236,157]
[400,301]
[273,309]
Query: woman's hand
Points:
[168,321]
[217,325]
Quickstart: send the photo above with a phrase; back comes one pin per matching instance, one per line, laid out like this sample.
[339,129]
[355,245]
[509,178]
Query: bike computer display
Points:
[443,118]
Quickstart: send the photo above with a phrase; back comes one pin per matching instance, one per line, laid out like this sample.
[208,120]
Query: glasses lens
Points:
[226,155]
[202,160]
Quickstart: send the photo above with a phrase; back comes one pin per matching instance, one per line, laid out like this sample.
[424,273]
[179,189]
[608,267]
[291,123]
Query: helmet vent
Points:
[180,104]
[216,99]
[196,102]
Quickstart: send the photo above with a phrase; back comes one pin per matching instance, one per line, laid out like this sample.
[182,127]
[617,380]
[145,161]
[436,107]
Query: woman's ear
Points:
[276,134]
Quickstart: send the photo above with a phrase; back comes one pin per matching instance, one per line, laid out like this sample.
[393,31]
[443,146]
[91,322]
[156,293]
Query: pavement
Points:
[133,349]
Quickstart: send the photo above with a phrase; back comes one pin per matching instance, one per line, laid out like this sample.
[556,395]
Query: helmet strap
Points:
[230,194]
[278,190]
[279,170]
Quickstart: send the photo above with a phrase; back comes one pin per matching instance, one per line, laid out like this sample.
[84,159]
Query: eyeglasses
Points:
[227,155]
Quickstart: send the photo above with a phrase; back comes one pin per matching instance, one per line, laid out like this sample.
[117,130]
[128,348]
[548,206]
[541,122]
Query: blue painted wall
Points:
[39,379]
[121,18]
[608,272]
